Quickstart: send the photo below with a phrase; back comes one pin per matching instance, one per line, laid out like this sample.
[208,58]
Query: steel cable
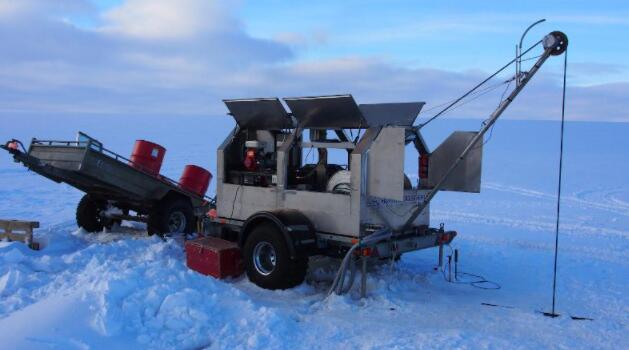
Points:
[479,85]
[561,134]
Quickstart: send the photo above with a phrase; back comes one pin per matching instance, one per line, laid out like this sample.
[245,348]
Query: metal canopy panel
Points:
[261,113]
[385,165]
[398,114]
[329,112]
[467,175]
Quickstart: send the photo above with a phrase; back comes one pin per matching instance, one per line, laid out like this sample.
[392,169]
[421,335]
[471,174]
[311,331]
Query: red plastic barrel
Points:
[147,156]
[195,179]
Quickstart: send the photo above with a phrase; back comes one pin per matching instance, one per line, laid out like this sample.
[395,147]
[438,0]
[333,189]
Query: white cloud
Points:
[18,8]
[11,8]
[595,19]
[174,57]
[168,19]
[301,41]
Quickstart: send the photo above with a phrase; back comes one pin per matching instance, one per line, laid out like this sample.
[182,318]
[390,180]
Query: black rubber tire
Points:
[288,273]
[88,214]
[159,218]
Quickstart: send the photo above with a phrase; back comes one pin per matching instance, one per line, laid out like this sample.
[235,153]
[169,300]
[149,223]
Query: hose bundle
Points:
[338,285]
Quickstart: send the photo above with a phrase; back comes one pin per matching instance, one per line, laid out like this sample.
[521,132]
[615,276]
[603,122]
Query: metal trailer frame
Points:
[88,166]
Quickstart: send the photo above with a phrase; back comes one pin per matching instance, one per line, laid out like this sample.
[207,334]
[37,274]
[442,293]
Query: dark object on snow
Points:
[214,256]
[268,261]
[496,305]
[89,215]
[22,231]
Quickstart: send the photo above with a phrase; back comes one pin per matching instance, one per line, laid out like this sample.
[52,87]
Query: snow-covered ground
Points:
[128,290]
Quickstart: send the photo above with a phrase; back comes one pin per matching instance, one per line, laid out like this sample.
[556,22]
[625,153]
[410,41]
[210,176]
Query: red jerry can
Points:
[214,256]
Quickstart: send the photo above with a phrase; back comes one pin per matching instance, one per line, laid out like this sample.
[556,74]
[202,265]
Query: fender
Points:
[296,228]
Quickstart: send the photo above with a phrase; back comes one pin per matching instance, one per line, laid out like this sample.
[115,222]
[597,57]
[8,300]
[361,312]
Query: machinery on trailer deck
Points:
[281,209]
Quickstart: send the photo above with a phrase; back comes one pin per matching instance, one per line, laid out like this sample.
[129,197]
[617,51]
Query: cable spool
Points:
[558,40]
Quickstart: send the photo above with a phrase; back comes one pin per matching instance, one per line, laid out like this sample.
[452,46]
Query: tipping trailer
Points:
[114,186]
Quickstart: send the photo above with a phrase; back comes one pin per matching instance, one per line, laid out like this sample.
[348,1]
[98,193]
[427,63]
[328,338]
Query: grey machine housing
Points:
[325,208]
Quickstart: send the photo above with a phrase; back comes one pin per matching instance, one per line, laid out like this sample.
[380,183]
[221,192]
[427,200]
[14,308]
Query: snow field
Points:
[124,289]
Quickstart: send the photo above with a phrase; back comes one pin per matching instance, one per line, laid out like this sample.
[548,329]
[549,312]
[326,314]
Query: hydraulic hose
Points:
[339,280]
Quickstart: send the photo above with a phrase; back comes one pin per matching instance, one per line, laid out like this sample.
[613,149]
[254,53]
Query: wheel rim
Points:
[102,219]
[99,217]
[264,258]
[177,222]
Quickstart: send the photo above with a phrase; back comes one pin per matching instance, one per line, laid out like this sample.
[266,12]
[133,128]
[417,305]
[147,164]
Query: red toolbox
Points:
[214,256]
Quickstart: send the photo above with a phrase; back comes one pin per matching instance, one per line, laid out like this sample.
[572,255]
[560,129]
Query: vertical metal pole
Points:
[449,268]
[363,279]
[518,63]
[456,263]
[440,255]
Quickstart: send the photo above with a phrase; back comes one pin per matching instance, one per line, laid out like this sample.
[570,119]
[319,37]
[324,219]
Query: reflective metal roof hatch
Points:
[397,114]
[260,113]
[329,112]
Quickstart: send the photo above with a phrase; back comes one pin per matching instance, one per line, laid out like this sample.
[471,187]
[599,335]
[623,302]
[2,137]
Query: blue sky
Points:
[455,35]
[129,56]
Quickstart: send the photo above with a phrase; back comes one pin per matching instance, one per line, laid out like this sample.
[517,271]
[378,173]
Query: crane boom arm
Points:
[554,43]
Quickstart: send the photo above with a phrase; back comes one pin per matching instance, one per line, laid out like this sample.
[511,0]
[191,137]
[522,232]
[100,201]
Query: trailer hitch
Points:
[13,146]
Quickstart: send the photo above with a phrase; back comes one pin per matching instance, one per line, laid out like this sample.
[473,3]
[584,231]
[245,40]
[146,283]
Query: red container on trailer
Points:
[195,179]
[147,156]
[214,257]
[423,166]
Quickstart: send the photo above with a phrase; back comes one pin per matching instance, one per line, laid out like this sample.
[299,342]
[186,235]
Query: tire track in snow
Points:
[577,199]
[598,253]
[608,195]
[530,224]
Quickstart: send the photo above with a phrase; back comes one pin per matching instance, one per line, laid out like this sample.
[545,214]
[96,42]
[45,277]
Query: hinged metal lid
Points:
[327,112]
[393,114]
[212,243]
[260,113]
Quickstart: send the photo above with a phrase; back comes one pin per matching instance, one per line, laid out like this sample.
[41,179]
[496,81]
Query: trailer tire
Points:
[267,259]
[172,216]
[88,214]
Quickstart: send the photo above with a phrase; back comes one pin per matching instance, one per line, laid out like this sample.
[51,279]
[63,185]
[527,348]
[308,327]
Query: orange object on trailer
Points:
[423,166]
[250,161]
[147,156]
[195,179]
